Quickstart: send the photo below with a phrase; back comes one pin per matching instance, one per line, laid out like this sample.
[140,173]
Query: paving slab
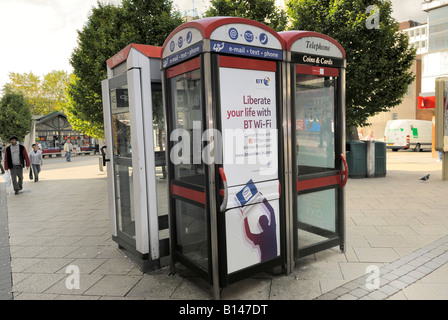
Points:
[396,224]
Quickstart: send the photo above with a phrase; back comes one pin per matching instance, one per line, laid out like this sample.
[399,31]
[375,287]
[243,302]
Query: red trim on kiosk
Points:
[303,185]
[149,51]
[292,36]
[318,71]
[344,172]
[244,63]
[183,68]
[182,192]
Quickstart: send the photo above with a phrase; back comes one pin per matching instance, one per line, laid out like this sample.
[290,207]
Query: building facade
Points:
[431,41]
[435,60]
[52,131]
[408,109]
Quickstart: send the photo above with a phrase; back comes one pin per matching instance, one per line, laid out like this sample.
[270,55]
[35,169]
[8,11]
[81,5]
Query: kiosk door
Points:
[318,158]
[190,234]
[122,159]
[248,122]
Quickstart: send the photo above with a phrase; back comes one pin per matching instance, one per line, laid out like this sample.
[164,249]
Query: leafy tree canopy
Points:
[109,29]
[15,116]
[378,56]
[263,11]
[44,95]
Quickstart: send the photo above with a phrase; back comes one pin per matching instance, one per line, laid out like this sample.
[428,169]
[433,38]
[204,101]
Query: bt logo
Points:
[266,81]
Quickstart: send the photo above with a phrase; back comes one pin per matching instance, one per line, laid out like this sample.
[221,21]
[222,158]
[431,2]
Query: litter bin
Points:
[380,159]
[356,159]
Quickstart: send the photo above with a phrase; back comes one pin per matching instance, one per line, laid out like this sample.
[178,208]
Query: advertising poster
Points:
[250,161]
[252,225]
[249,125]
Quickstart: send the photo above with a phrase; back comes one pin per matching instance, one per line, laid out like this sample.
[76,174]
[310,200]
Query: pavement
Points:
[396,249]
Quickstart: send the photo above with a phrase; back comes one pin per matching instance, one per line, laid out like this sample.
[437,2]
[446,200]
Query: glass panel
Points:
[315,111]
[158,117]
[159,149]
[438,29]
[316,214]
[121,122]
[192,233]
[124,199]
[121,135]
[187,116]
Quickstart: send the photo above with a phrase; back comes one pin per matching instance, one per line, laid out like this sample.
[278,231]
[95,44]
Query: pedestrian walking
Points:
[369,136]
[68,148]
[440,154]
[1,157]
[16,158]
[36,161]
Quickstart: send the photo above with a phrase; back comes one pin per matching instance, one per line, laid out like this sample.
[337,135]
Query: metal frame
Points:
[339,237]
[441,139]
[217,274]
[109,153]
[225,277]
[139,71]
[287,149]
[175,255]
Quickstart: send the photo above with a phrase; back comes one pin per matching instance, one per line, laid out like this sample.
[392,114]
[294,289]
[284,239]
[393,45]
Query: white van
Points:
[408,134]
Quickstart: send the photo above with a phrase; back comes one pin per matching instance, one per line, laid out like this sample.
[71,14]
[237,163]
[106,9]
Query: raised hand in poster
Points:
[266,240]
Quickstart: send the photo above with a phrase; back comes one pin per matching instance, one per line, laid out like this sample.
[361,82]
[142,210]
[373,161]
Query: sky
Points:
[39,36]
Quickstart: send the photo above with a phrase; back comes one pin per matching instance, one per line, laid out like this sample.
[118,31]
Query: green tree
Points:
[99,40]
[109,29]
[44,95]
[15,116]
[378,56]
[151,21]
[263,11]
[54,85]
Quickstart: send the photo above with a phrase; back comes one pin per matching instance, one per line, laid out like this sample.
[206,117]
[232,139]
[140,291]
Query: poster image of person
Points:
[252,226]
[266,240]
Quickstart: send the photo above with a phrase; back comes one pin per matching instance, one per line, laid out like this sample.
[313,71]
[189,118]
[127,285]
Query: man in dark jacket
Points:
[1,156]
[16,158]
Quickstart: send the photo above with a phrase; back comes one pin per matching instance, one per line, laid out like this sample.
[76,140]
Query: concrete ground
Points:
[397,229]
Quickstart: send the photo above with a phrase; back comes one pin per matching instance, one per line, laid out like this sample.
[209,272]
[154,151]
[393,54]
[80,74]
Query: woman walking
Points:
[36,161]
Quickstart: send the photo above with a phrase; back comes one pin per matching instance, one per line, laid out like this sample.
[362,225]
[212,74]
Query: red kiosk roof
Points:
[207,25]
[292,36]
[147,50]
